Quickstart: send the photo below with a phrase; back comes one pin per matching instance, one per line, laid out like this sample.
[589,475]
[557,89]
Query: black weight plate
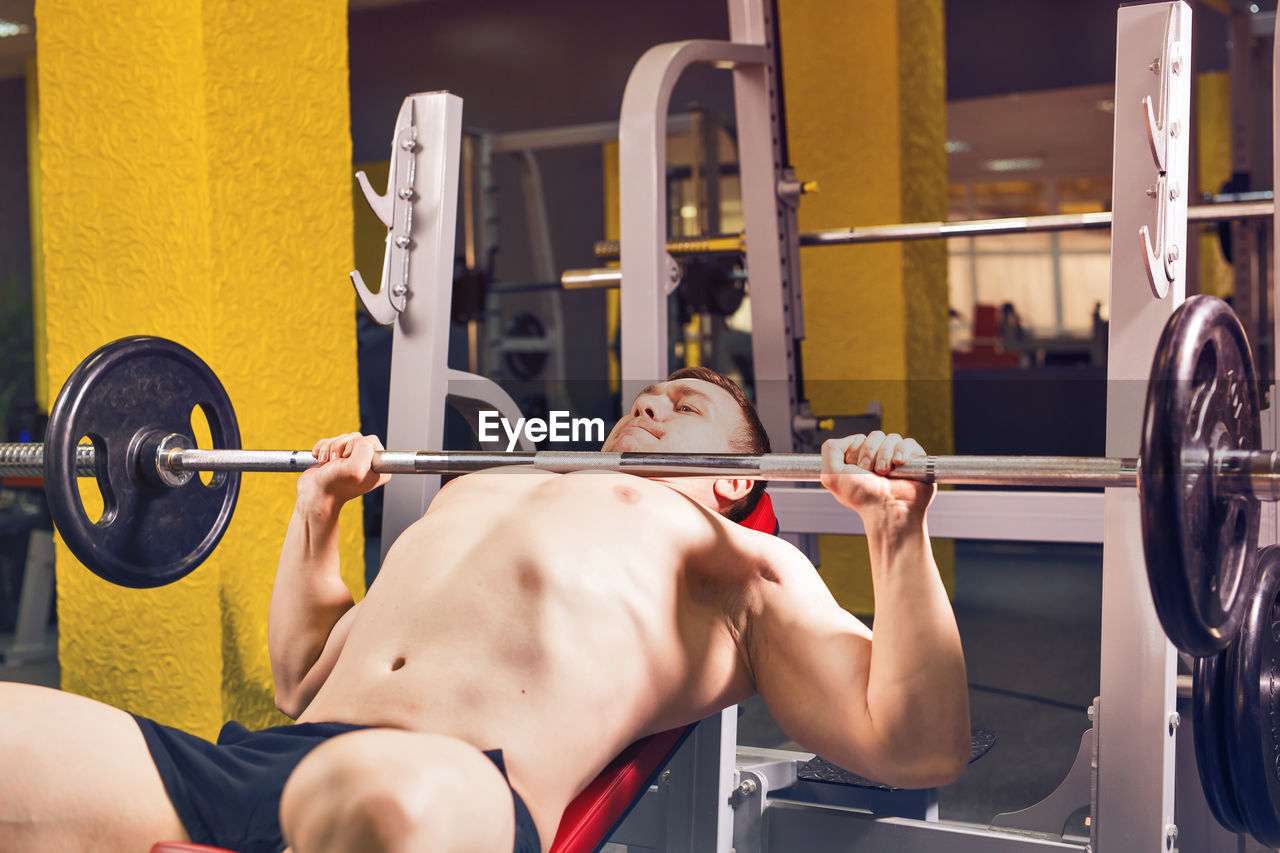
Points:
[1210,702]
[149,534]
[1199,541]
[1255,706]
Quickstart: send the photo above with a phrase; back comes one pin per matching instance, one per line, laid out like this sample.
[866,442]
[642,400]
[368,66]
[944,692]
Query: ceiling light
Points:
[9,28]
[957,146]
[688,211]
[1014,164]
[1253,7]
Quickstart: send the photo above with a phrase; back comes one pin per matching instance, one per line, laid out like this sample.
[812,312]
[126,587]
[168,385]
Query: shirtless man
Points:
[519,635]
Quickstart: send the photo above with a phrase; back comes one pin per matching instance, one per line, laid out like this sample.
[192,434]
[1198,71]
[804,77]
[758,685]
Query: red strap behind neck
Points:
[762,517]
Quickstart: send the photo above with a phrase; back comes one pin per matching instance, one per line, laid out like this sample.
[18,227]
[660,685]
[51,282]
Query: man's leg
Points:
[77,776]
[391,790]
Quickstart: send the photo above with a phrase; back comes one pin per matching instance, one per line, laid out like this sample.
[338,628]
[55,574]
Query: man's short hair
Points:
[750,438]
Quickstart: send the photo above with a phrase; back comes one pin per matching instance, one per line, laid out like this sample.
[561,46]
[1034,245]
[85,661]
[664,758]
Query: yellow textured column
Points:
[39,345]
[866,119]
[1213,159]
[195,162]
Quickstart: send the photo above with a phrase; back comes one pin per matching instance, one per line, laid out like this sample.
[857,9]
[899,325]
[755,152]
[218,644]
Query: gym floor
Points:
[1030,619]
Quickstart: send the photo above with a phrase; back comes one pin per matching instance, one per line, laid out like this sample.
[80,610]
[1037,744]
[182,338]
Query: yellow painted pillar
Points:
[1213,160]
[195,165]
[38,343]
[866,118]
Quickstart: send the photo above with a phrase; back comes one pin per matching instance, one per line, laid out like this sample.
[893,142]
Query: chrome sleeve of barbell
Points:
[295,461]
[26,459]
[241,460]
[385,461]
[1248,472]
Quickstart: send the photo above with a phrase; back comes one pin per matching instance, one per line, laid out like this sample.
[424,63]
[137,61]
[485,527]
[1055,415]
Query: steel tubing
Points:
[609,249]
[1068,471]
[1254,473]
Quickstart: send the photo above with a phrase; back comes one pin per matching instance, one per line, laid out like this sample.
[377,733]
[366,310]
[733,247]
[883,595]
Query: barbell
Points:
[1200,474]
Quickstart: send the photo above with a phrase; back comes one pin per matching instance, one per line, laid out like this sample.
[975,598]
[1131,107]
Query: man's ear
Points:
[730,490]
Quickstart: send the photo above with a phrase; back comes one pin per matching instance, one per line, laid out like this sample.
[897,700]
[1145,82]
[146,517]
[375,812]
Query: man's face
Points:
[680,416]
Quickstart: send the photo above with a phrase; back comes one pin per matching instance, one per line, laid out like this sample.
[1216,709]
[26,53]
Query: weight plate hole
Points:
[94,491]
[1206,365]
[1231,567]
[203,437]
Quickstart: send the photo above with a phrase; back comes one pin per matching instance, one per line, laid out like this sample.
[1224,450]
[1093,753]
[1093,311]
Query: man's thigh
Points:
[387,789]
[77,776]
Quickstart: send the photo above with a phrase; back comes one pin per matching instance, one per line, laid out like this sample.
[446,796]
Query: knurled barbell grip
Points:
[26,459]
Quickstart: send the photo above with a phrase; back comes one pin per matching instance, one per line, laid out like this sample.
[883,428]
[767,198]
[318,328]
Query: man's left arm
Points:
[894,705]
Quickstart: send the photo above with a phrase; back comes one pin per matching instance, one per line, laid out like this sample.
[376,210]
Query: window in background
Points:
[1055,282]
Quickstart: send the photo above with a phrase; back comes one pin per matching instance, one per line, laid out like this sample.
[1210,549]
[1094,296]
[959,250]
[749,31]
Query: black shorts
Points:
[228,794]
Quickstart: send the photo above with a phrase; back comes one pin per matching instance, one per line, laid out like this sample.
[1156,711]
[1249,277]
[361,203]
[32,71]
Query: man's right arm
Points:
[311,607]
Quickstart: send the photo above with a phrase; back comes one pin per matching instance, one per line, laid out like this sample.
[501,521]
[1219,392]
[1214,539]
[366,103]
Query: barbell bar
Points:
[1199,481]
[1245,472]
[606,250]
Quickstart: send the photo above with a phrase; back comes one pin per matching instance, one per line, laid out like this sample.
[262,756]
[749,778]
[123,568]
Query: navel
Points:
[398,663]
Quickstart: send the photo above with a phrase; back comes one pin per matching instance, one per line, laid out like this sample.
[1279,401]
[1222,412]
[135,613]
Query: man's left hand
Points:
[850,467]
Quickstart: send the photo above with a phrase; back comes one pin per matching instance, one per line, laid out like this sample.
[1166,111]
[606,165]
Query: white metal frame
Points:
[1136,739]
[417,287]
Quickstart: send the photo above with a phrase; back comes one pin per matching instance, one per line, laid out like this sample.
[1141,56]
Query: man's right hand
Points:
[345,469]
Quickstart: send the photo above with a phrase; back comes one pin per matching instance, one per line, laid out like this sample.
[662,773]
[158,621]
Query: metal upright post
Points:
[1270,532]
[418,209]
[642,154]
[769,196]
[706,762]
[1135,723]
[420,351]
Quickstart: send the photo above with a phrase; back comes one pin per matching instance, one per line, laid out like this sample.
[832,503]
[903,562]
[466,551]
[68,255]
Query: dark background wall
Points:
[998,46]
[15,223]
[520,66]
